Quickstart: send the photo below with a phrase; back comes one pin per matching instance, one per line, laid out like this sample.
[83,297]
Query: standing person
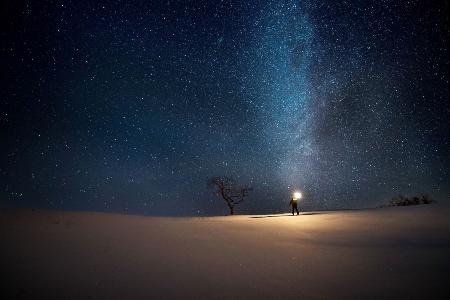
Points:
[293,203]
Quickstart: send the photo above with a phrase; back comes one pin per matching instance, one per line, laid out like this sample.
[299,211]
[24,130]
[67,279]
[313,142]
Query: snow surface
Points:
[394,253]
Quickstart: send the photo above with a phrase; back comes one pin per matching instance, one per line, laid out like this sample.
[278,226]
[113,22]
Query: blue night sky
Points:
[131,105]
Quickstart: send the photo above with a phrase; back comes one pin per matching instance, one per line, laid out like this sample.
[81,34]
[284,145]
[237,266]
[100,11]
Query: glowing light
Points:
[297,195]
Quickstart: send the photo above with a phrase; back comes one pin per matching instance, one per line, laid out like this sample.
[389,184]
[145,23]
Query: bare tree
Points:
[228,189]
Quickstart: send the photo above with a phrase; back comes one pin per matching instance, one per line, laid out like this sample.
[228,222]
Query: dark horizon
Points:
[117,107]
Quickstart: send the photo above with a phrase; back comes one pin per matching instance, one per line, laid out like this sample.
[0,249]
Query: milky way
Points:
[131,106]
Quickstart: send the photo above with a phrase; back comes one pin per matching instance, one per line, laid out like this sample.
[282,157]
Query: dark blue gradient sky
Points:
[132,105]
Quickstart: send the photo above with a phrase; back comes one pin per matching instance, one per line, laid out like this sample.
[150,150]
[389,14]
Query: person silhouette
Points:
[293,203]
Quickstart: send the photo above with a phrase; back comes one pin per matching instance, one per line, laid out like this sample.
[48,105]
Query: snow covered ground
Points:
[395,253]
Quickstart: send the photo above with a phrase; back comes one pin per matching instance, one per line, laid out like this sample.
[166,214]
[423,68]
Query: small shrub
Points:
[401,200]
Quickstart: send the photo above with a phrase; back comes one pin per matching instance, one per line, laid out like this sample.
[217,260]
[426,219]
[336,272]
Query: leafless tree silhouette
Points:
[228,189]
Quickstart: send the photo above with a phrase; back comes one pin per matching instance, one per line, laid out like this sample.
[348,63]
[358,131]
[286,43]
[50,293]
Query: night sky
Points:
[132,105]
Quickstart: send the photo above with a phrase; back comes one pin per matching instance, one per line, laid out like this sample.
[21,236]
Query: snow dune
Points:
[395,253]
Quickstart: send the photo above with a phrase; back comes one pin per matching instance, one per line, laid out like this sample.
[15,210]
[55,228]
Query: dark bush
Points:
[401,200]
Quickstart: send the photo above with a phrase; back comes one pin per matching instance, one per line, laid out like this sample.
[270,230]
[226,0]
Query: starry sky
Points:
[131,105]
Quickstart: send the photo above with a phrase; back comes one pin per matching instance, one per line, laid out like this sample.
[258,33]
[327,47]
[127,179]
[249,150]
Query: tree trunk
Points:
[231,210]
